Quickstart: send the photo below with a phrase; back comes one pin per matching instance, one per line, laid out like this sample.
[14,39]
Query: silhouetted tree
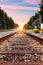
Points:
[6,22]
[41,10]
[32,19]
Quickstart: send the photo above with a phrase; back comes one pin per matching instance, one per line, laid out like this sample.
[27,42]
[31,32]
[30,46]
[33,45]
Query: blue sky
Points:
[20,10]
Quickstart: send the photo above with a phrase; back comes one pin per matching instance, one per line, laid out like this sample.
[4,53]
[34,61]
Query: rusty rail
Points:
[6,37]
[36,38]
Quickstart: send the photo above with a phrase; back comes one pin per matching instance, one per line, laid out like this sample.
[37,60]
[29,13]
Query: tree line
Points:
[31,20]
[35,17]
[41,10]
[6,22]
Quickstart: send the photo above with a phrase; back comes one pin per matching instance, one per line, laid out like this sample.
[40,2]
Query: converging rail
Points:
[37,36]
[21,48]
[6,35]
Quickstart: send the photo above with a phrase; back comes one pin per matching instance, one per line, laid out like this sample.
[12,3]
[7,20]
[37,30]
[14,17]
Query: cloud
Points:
[32,1]
[19,7]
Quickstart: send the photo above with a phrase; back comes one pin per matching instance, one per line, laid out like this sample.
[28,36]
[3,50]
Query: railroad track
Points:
[5,37]
[21,46]
[33,36]
[36,38]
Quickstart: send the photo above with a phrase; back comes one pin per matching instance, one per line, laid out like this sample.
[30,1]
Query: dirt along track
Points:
[20,49]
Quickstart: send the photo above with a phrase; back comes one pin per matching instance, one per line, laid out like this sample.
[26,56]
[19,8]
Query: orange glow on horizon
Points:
[20,27]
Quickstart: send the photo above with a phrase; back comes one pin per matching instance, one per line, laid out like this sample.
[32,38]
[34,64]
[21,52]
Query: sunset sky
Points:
[20,10]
